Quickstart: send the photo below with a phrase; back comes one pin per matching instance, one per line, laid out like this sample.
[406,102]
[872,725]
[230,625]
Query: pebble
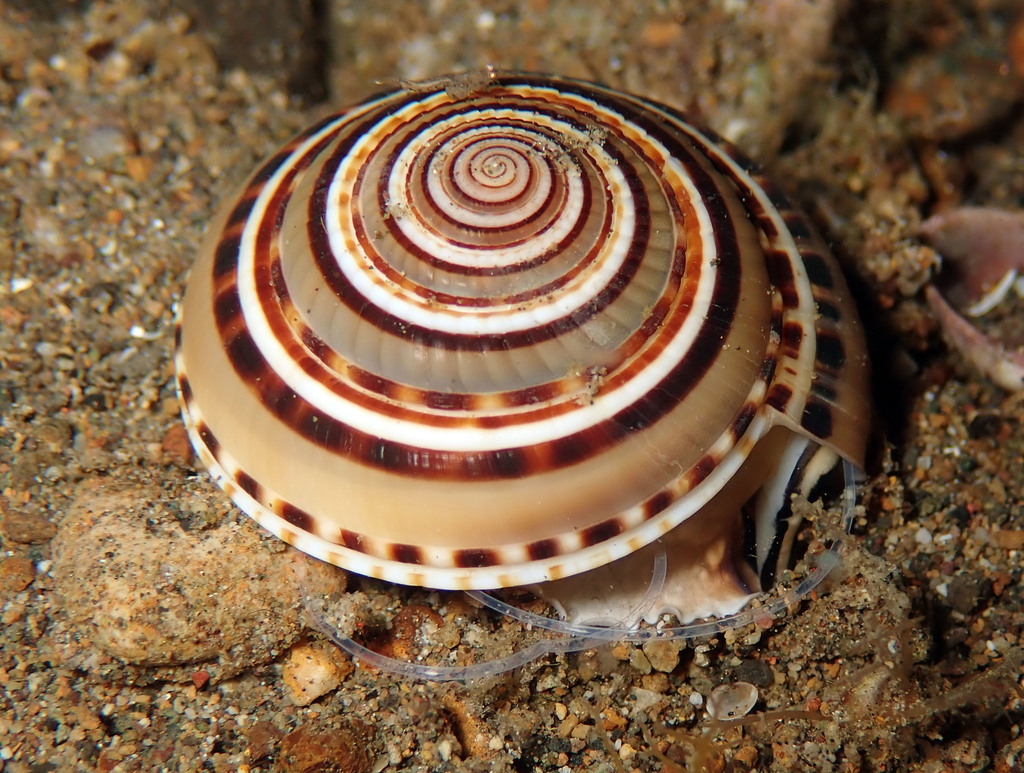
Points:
[656,682]
[639,661]
[662,654]
[406,636]
[325,748]
[567,725]
[312,670]
[13,613]
[757,672]
[621,651]
[23,527]
[582,732]
[262,740]
[16,574]
[445,749]
[104,143]
[1008,539]
[175,446]
[966,591]
[143,589]
[139,167]
[745,756]
[645,698]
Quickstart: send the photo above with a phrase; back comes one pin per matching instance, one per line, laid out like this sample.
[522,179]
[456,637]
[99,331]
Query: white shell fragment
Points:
[530,331]
[731,701]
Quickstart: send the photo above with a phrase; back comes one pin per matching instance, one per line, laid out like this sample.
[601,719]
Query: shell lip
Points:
[473,578]
[562,637]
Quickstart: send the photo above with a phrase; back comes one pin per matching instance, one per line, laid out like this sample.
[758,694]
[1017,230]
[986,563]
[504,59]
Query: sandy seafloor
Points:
[148,626]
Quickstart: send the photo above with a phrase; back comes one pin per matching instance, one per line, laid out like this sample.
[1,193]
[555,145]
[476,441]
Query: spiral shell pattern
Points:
[488,339]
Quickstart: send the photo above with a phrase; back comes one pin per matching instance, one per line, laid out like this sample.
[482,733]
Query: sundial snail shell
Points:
[528,330]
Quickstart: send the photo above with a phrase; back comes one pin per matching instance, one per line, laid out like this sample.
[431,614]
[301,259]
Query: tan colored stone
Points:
[312,670]
[663,654]
[326,748]
[16,574]
[144,589]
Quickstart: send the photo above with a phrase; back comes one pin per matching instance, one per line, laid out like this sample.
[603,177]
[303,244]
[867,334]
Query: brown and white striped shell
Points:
[506,334]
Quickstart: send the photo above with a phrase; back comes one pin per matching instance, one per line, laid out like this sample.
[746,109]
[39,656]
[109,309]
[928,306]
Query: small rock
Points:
[262,740]
[53,433]
[1008,539]
[176,447]
[49,235]
[757,672]
[325,748]
[985,425]
[13,613]
[312,670]
[410,629]
[639,661]
[146,591]
[645,697]
[745,758]
[663,654]
[139,167]
[966,592]
[656,682]
[567,725]
[16,574]
[24,528]
[200,678]
[582,732]
[103,144]
[621,651]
